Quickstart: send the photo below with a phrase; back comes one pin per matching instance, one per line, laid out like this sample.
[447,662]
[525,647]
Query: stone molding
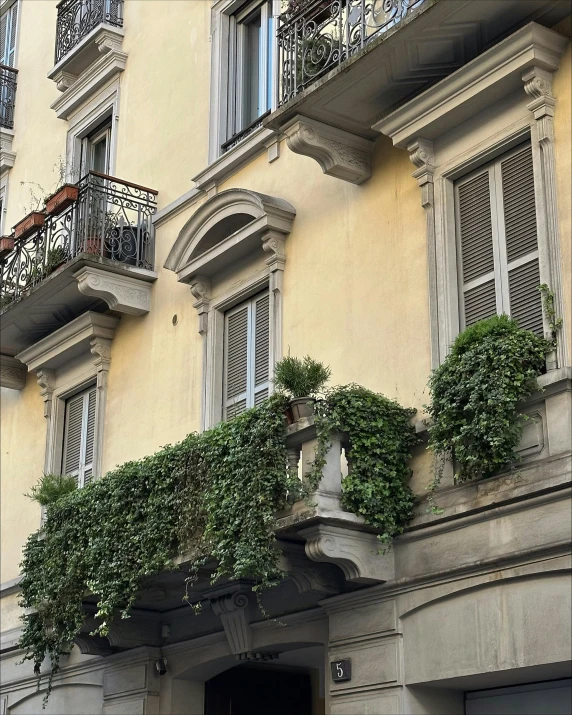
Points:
[121,293]
[341,154]
[75,93]
[468,90]
[12,373]
[231,605]
[7,156]
[357,553]
[306,575]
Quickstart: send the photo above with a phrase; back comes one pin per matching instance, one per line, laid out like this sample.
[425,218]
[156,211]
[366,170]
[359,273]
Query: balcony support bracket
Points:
[12,373]
[121,293]
[341,154]
[359,554]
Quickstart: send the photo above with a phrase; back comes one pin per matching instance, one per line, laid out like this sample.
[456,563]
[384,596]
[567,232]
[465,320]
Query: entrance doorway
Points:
[258,690]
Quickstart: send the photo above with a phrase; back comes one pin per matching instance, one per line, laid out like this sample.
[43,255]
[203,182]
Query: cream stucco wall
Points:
[355,283]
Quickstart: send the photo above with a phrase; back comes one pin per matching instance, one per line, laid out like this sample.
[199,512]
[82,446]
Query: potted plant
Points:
[301,379]
[29,224]
[62,198]
[55,258]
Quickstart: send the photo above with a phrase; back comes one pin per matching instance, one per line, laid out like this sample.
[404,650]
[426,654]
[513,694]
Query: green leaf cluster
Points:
[475,393]
[300,377]
[52,487]
[380,436]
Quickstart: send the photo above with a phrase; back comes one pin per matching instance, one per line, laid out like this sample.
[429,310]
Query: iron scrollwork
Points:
[77,18]
[8,81]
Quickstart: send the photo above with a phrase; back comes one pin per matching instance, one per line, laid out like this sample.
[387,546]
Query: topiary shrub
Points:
[475,393]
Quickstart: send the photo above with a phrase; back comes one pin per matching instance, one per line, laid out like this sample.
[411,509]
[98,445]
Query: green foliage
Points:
[52,487]
[475,393]
[217,491]
[380,436]
[554,323]
[300,378]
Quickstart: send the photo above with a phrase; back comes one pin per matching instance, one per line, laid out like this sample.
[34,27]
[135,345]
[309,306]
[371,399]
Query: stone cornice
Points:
[73,339]
[494,74]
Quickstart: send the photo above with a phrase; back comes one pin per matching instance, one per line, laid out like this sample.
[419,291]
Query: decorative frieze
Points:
[339,153]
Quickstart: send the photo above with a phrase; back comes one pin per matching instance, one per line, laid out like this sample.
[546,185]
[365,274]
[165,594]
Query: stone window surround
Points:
[526,59]
[90,333]
[102,106]
[272,221]
[220,28]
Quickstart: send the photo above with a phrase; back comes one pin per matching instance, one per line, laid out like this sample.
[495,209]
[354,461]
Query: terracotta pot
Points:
[29,224]
[302,407]
[6,245]
[93,245]
[63,198]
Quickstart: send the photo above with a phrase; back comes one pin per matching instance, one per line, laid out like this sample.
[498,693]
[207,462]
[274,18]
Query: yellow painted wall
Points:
[355,285]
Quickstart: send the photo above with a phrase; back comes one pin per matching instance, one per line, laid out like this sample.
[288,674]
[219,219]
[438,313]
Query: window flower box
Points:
[29,224]
[64,197]
[6,245]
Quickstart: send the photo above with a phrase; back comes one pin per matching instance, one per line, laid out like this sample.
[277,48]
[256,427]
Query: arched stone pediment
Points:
[225,228]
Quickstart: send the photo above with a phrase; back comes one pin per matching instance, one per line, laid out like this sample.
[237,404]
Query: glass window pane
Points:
[252,68]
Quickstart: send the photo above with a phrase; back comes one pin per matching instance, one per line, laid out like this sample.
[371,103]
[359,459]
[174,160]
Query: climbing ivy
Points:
[380,436]
[475,395]
[212,497]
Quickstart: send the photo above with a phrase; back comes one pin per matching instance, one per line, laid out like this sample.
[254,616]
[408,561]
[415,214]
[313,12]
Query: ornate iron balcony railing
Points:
[315,36]
[77,18]
[110,218]
[8,80]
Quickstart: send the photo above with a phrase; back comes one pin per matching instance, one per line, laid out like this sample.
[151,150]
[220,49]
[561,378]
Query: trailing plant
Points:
[380,436]
[215,493]
[554,323]
[52,487]
[300,377]
[475,393]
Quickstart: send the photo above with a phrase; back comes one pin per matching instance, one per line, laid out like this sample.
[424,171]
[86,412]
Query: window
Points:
[79,434]
[8,25]
[95,149]
[247,355]
[497,244]
[251,73]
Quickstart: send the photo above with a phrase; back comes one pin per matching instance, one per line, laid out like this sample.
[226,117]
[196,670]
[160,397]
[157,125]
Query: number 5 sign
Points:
[341,670]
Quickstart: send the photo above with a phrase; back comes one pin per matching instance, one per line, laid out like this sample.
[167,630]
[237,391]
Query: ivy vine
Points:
[475,393]
[212,497]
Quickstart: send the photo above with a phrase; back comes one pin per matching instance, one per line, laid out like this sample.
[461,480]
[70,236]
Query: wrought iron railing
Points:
[110,218]
[8,81]
[77,18]
[315,36]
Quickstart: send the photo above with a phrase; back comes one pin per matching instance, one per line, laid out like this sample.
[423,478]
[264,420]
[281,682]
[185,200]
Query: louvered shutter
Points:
[247,355]
[261,349]
[476,248]
[79,436]
[8,25]
[236,361]
[520,230]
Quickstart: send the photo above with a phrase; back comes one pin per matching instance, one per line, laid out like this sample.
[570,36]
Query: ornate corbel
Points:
[100,348]
[341,154]
[231,604]
[121,293]
[357,553]
[538,86]
[421,156]
[273,244]
[47,383]
[307,575]
[201,290]
[12,373]
[109,41]
[64,80]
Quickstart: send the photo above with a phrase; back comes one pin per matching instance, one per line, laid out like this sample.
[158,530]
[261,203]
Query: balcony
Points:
[89,37]
[8,80]
[93,251]
[344,63]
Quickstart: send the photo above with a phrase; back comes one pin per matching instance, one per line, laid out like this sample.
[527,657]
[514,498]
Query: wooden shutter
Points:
[520,229]
[8,26]
[79,436]
[261,349]
[247,355]
[236,361]
[497,245]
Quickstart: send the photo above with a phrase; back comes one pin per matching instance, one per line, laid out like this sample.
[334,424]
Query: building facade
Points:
[353,180]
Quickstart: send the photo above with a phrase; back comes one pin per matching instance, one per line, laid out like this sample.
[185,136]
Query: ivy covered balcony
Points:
[92,247]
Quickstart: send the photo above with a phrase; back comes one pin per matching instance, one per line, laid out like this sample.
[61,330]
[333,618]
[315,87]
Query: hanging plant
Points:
[475,394]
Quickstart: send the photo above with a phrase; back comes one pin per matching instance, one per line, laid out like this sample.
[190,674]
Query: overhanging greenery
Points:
[214,495]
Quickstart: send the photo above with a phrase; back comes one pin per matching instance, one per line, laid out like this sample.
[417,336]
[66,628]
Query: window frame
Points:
[84,392]
[8,8]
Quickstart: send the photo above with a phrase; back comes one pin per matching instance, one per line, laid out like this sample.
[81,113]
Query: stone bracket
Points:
[307,575]
[357,553]
[122,293]
[341,154]
[12,373]
[231,604]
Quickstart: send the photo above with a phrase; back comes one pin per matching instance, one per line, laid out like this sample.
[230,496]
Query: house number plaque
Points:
[341,670]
